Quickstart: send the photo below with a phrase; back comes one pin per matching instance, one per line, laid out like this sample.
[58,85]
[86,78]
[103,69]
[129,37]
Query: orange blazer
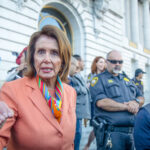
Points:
[33,126]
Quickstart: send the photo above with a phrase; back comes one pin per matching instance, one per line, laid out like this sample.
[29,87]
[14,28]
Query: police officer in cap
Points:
[137,79]
[117,100]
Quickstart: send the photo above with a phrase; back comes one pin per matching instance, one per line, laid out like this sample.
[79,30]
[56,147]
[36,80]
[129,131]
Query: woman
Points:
[43,104]
[98,66]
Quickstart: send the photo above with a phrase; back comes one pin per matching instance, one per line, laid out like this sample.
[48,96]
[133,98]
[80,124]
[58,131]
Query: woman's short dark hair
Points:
[64,50]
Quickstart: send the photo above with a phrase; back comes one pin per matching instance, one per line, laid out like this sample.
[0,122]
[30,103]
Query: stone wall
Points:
[17,23]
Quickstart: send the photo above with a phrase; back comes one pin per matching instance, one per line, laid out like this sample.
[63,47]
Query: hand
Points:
[133,106]
[5,112]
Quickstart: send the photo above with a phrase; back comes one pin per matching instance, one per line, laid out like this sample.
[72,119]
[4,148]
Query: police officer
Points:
[117,100]
[137,79]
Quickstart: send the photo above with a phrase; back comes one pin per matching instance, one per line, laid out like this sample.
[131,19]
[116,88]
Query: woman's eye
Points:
[41,51]
[55,53]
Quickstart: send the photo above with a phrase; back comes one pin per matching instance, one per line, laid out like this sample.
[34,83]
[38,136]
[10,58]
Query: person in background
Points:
[137,79]
[80,66]
[17,72]
[98,66]
[73,67]
[83,100]
[43,104]
[116,102]
[72,71]
[142,129]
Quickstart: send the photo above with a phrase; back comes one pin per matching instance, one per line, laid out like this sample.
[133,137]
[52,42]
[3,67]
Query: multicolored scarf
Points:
[54,103]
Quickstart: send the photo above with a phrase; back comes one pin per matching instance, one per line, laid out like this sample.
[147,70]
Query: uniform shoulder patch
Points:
[126,79]
[94,81]
[110,81]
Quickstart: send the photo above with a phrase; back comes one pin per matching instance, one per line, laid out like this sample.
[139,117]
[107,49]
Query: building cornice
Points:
[142,1]
[21,3]
[100,7]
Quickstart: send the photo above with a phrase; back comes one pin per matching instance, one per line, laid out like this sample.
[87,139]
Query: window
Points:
[140,11]
[52,16]
[127,18]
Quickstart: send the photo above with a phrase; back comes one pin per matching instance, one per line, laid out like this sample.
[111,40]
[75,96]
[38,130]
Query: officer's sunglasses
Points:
[115,61]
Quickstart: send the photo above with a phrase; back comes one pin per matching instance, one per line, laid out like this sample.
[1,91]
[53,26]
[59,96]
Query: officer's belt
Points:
[119,129]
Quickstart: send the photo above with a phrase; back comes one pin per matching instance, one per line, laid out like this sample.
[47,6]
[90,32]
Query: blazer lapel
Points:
[41,104]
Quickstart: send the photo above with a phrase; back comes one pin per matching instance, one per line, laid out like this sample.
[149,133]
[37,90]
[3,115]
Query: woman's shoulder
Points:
[17,83]
[13,90]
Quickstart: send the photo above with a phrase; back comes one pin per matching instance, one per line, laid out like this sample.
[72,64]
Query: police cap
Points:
[138,71]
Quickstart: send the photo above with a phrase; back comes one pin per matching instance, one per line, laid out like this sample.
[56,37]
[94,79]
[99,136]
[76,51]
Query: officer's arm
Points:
[101,100]
[111,105]
[140,97]
[135,104]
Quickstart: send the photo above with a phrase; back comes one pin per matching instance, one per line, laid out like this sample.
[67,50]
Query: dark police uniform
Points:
[139,84]
[118,130]
[142,129]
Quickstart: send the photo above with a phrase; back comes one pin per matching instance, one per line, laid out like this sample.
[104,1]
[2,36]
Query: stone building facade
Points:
[94,27]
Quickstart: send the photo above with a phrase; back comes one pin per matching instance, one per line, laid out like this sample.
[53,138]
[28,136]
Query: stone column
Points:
[134,21]
[146,24]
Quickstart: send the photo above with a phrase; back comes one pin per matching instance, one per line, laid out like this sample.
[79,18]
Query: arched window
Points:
[51,16]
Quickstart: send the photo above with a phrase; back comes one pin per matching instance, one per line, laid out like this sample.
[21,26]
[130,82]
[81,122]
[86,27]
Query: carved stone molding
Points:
[100,7]
[84,3]
[70,1]
[21,3]
[142,1]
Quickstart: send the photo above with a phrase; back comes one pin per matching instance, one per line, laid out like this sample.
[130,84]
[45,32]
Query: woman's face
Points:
[47,61]
[100,65]
[73,68]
